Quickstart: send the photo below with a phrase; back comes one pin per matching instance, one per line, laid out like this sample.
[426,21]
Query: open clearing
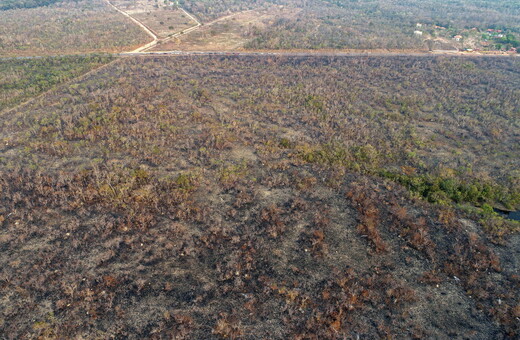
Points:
[228,33]
[163,19]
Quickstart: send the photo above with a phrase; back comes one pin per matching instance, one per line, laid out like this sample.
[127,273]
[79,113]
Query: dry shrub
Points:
[227,328]
[272,221]
[369,218]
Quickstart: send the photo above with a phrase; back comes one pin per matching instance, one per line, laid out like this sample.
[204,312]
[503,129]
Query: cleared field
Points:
[163,18]
[67,27]
[248,197]
[228,33]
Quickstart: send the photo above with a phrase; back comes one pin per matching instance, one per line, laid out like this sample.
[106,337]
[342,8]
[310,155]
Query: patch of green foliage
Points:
[437,189]
[12,4]
[498,227]
[24,78]
[434,188]
[186,181]
[509,40]
[363,158]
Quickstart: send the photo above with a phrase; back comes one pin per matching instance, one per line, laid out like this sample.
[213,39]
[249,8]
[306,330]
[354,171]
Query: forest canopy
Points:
[21,79]
[11,4]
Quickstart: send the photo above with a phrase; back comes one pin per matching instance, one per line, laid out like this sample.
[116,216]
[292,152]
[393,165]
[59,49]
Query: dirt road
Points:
[143,26]
[151,33]
[288,53]
[181,32]
[315,53]
[200,24]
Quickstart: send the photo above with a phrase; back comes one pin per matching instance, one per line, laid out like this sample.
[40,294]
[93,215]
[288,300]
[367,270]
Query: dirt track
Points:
[151,32]
[143,26]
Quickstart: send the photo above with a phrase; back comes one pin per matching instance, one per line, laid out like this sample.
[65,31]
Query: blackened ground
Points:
[186,198]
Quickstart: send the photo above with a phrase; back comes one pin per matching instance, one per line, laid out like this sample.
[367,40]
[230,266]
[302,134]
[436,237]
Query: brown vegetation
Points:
[67,27]
[382,24]
[246,198]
